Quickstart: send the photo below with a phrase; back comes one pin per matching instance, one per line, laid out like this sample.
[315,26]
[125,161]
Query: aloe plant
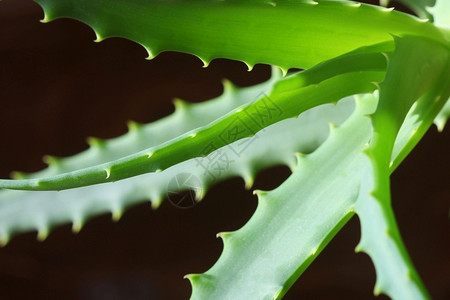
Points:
[395,65]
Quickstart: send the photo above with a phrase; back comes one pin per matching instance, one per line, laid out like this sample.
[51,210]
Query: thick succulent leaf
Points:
[308,32]
[22,211]
[294,222]
[310,87]
[187,116]
[404,83]
[315,237]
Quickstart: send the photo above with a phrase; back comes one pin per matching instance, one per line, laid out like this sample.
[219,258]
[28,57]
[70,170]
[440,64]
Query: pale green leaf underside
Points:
[22,211]
[186,117]
[293,222]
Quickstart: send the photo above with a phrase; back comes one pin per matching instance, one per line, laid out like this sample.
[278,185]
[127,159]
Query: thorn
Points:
[149,154]
[42,234]
[249,67]
[192,277]
[299,157]
[377,289]
[156,202]
[205,62]
[259,193]
[227,85]
[193,135]
[116,215]
[332,126]
[423,20]
[18,175]
[223,235]
[108,172]
[133,126]
[179,104]
[77,226]
[199,194]
[150,54]
[359,248]
[51,160]
[95,142]
[249,180]
[284,71]
[98,37]
[46,19]
[273,4]
[4,240]
[158,171]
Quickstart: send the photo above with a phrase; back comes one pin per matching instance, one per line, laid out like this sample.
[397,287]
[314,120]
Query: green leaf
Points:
[285,33]
[22,211]
[294,222]
[403,85]
[187,116]
[311,88]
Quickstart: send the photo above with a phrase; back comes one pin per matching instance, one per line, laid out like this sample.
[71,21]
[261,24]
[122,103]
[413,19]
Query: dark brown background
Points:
[57,87]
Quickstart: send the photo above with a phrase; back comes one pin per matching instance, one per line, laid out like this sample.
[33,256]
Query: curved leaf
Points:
[294,222]
[22,211]
[243,122]
[308,32]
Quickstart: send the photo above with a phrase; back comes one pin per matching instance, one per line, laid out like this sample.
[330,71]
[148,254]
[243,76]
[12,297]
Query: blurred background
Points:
[57,87]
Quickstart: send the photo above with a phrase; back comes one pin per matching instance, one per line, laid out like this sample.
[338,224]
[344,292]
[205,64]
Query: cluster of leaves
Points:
[397,63]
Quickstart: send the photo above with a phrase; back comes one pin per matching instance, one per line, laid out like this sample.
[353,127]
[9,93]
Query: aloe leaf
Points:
[22,211]
[191,116]
[294,222]
[187,116]
[260,28]
[243,122]
[404,83]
